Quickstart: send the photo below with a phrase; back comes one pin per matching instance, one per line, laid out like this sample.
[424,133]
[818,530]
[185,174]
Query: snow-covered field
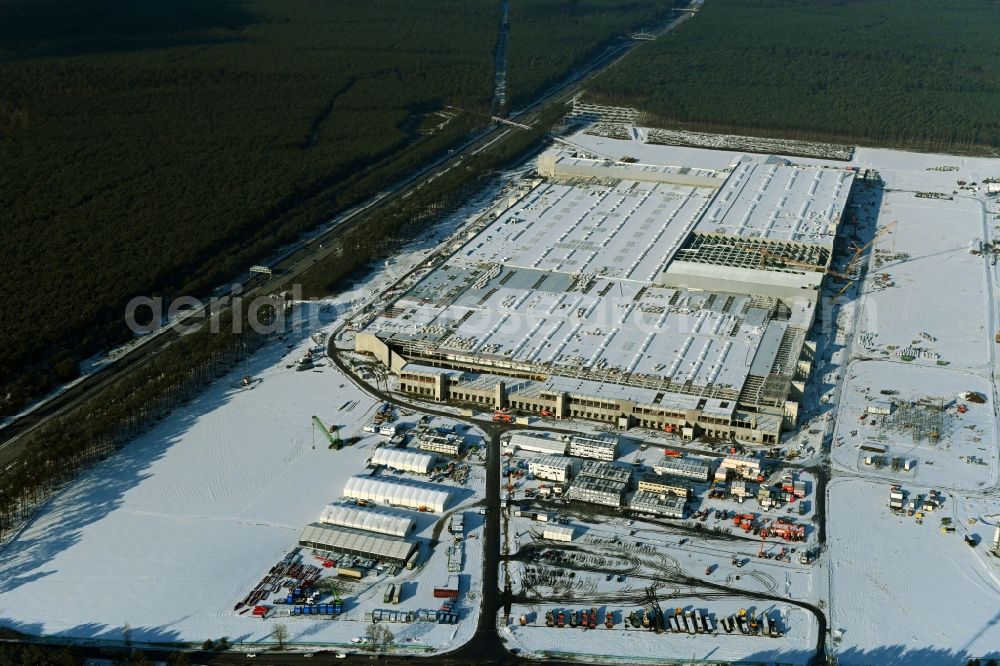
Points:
[160,542]
[169,534]
[902,592]
[965,438]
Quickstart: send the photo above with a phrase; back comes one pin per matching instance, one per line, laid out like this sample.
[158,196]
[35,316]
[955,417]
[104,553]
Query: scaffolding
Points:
[924,418]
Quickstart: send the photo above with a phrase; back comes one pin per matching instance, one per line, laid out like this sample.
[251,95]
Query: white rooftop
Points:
[704,338]
[628,230]
[771,199]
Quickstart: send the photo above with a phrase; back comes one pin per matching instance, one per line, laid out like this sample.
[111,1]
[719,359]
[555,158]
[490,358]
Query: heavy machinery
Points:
[852,265]
[332,433]
[502,416]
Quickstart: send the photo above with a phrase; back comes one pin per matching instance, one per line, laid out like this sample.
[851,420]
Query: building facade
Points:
[598,447]
[688,468]
[551,468]
[663,485]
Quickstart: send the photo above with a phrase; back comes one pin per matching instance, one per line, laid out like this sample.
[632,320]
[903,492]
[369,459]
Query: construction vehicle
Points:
[332,433]
[502,416]
[673,453]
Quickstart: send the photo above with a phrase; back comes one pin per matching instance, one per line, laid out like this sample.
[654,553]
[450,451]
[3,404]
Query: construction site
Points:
[635,294]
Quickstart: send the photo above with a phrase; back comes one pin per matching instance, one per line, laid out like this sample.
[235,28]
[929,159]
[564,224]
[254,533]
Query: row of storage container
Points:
[318,609]
[422,615]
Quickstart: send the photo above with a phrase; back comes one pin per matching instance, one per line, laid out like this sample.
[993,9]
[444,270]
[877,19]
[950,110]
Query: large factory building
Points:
[640,295]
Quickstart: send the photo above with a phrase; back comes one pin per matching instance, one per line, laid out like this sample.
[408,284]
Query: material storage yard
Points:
[194,530]
[735,406]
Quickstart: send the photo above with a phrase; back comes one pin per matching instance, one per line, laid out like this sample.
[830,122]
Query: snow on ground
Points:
[935,308]
[951,462]
[170,533]
[902,592]
[637,645]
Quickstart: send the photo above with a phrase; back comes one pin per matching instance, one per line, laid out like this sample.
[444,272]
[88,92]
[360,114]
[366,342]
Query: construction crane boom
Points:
[858,251]
[332,433]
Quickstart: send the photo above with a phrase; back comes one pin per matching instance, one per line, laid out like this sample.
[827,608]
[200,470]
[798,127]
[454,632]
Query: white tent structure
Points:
[396,493]
[403,460]
[367,519]
[337,539]
[559,532]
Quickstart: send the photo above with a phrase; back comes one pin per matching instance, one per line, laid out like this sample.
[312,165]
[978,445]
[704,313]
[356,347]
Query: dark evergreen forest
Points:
[909,73]
[161,147]
[547,37]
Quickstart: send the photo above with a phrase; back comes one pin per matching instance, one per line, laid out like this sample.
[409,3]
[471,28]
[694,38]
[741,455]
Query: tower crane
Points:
[852,265]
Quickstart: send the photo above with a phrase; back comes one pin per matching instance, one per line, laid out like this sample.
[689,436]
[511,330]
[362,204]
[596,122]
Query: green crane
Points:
[332,433]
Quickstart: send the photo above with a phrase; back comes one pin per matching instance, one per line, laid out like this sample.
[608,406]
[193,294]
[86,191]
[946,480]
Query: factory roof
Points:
[668,465]
[776,200]
[649,501]
[627,230]
[551,461]
[408,494]
[530,442]
[648,335]
[556,531]
[595,484]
